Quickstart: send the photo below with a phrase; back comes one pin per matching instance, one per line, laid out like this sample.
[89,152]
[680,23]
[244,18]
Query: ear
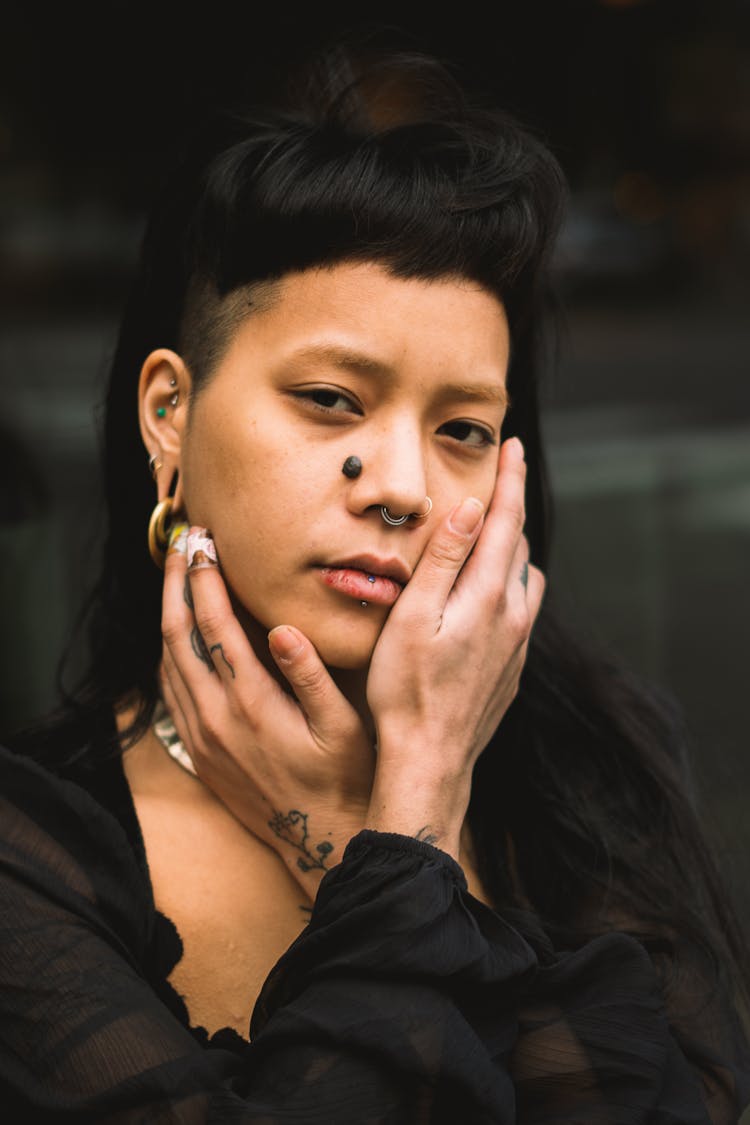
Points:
[163,395]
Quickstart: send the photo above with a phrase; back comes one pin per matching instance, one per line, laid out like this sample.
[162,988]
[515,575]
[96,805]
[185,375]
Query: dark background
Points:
[647,106]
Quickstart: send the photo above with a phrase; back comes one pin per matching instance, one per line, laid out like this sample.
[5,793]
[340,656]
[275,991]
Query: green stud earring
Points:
[161,412]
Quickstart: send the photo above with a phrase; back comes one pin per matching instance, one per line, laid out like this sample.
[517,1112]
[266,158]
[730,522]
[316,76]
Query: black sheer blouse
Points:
[405,1000]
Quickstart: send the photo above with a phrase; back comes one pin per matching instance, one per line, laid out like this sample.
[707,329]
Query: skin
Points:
[296,684]
[272,491]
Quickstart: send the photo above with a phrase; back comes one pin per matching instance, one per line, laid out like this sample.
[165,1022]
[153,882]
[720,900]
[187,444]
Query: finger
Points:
[535,592]
[327,710]
[443,557]
[178,622]
[176,696]
[518,575]
[514,598]
[184,650]
[173,702]
[218,641]
[503,526]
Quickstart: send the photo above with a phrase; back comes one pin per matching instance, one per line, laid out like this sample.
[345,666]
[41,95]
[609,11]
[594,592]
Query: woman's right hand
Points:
[295,770]
[447,665]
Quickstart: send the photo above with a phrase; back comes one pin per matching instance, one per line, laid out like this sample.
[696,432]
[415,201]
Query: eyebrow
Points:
[351,360]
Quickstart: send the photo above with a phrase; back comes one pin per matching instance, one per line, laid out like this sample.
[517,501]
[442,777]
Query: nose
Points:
[394,474]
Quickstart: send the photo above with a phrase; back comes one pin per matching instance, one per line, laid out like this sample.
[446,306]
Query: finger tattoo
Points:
[200,648]
[525,575]
[220,648]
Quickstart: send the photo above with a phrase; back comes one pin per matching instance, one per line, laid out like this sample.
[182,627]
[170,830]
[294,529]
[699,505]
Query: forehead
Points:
[396,320]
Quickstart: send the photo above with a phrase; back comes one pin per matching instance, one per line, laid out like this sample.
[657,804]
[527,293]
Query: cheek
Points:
[226,470]
[259,497]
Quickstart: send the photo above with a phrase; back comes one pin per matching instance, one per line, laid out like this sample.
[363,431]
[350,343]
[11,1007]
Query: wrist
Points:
[311,846]
[424,806]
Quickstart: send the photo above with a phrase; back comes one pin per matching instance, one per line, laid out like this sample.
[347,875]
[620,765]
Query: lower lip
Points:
[357,584]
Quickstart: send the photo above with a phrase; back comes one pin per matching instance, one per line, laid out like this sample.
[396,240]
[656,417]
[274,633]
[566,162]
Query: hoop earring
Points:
[158,531]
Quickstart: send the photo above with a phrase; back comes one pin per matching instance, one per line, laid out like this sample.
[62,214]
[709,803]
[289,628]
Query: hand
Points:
[295,770]
[448,662]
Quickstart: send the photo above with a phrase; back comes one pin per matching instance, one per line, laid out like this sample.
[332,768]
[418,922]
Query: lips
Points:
[368,579]
[392,568]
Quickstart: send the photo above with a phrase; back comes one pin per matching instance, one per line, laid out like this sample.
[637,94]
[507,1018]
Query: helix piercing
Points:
[352,467]
[161,412]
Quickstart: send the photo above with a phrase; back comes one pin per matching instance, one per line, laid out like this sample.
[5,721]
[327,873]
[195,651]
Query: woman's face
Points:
[406,375]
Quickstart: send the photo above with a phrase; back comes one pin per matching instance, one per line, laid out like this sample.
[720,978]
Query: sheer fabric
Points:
[405,1000]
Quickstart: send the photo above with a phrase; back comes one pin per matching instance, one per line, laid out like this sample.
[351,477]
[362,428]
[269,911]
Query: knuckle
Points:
[448,553]
[501,601]
[518,623]
[171,630]
[309,678]
[209,731]
[516,515]
[210,622]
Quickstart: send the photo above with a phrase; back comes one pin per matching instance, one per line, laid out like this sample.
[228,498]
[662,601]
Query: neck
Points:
[352,683]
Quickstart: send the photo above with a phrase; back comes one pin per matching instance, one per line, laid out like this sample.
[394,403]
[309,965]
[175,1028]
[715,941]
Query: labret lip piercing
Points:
[370,578]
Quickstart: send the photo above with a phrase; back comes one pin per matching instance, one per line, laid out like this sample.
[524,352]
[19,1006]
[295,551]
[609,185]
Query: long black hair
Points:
[580,807]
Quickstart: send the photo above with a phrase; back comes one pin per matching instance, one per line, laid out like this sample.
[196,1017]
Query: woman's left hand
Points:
[295,770]
[448,663]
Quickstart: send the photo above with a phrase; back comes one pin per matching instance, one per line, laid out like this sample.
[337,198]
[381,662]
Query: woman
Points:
[322,795]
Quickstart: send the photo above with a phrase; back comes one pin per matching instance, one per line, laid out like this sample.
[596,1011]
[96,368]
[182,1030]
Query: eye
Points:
[328,400]
[468,433]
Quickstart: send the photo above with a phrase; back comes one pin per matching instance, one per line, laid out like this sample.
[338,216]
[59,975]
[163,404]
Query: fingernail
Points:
[178,537]
[515,448]
[467,515]
[284,643]
[201,549]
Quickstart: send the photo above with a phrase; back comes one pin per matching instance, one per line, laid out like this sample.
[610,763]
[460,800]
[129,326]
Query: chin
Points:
[351,651]
[344,636]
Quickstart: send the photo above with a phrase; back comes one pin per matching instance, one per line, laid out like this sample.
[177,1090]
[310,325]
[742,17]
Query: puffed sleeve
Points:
[404,1001]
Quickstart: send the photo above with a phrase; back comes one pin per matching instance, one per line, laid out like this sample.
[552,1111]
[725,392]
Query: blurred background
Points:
[646,104]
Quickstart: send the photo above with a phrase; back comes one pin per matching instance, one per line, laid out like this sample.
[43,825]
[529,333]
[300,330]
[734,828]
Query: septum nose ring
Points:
[352,468]
[396,521]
